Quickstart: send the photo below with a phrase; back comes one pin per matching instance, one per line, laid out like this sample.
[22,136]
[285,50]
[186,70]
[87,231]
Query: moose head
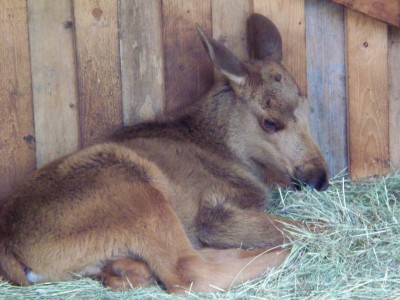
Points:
[269,128]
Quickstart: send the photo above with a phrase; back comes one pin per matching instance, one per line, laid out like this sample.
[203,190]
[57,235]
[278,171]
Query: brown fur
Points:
[134,210]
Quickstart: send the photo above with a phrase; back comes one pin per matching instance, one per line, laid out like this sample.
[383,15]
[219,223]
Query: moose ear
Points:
[264,39]
[223,60]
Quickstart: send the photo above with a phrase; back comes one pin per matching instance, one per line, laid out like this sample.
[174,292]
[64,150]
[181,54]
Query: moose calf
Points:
[173,199]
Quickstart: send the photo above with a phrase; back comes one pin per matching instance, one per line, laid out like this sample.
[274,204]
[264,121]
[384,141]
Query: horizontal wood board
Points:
[384,10]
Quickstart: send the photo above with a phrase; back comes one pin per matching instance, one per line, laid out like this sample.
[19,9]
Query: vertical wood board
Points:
[17,138]
[367,92]
[229,24]
[288,16]
[188,71]
[142,65]
[99,85]
[394,95]
[54,80]
[326,71]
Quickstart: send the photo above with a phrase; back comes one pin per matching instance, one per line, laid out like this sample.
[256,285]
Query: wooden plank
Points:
[326,71]
[288,16]
[229,25]
[99,84]
[17,137]
[188,71]
[53,78]
[387,11]
[367,89]
[142,67]
[394,95]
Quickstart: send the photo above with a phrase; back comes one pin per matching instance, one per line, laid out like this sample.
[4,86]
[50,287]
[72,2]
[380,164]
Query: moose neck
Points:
[215,125]
[217,120]
[210,119]
[207,123]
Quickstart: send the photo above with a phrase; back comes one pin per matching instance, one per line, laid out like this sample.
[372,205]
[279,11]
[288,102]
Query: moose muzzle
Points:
[313,175]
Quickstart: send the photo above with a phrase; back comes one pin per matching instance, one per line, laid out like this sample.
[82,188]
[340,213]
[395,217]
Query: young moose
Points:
[158,199]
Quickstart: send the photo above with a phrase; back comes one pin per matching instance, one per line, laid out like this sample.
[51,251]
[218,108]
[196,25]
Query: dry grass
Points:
[359,258]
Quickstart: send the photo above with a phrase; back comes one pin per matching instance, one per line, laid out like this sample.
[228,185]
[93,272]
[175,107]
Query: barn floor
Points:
[359,258]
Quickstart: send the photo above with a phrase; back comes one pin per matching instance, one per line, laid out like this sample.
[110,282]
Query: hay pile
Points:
[358,259]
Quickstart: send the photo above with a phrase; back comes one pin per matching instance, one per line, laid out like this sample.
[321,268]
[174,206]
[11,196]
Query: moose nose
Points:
[315,178]
[319,181]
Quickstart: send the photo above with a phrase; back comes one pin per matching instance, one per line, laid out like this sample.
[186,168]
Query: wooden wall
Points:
[72,71]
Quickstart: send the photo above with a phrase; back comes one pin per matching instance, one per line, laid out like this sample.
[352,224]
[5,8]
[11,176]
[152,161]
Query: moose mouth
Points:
[273,175]
[319,183]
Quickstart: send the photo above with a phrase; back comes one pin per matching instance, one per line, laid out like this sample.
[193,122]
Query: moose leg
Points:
[231,227]
[224,255]
[145,226]
[162,243]
[126,273]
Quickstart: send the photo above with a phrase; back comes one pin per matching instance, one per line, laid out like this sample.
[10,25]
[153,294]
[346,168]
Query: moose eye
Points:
[278,77]
[269,125]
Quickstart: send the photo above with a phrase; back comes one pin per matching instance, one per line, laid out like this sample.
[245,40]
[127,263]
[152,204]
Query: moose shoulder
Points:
[173,199]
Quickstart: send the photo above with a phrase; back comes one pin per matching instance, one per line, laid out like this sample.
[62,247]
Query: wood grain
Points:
[326,71]
[385,10]
[394,95]
[367,89]
[229,24]
[288,16]
[17,137]
[188,71]
[99,84]
[53,78]
[142,65]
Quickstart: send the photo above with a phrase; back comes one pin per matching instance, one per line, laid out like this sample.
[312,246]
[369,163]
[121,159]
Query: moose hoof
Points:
[127,273]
